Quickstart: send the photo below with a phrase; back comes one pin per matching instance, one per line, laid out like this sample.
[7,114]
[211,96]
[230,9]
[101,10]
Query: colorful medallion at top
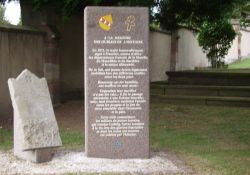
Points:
[105,22]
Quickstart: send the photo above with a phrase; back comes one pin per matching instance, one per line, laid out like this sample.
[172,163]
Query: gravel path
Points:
[76,162]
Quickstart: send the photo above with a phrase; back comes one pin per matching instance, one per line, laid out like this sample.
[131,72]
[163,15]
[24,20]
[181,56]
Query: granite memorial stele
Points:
[116,82]
[35,127]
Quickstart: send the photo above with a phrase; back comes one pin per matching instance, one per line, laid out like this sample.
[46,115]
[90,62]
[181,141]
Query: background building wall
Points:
[71,58]
[189,54]
[159,55]
[245,43]
[233,54]
[20,48]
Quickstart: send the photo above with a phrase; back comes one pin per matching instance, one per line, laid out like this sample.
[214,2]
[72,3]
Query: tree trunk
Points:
[67,53]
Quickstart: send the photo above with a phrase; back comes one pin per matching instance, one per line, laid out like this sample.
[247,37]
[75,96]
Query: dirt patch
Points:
[6,124]
[70,115]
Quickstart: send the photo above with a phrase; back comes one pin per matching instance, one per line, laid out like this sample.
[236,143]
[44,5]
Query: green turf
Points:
[242,64]
[70,139]
[6,140]
[212,140]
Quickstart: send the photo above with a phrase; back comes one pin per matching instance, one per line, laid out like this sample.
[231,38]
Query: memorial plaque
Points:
[116,82]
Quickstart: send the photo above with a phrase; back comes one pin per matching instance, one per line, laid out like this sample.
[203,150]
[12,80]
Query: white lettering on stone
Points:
[118,90]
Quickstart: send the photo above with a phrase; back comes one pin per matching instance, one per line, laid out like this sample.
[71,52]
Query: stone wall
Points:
[189,53]
[180,50]
[245,43]
[160,52]
[233,54]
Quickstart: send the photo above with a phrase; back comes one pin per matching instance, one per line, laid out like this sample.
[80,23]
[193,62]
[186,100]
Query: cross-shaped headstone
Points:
[130,22]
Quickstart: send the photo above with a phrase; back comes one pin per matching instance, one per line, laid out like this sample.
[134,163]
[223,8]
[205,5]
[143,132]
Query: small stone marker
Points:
[116,82]
[35,127]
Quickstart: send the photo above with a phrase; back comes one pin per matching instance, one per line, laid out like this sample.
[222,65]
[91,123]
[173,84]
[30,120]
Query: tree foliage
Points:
[3,20]
[211,18]
[193,13]
[243,13]
[216,39]
[67,8]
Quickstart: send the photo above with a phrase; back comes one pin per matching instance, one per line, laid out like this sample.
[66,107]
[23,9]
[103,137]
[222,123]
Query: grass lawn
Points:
[243,64]
[212,140]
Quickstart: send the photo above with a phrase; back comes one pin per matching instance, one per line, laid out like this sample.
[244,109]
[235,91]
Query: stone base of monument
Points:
[35,156]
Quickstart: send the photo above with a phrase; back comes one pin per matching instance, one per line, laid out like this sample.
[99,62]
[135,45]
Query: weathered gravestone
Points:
[116,82]
[35,127]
